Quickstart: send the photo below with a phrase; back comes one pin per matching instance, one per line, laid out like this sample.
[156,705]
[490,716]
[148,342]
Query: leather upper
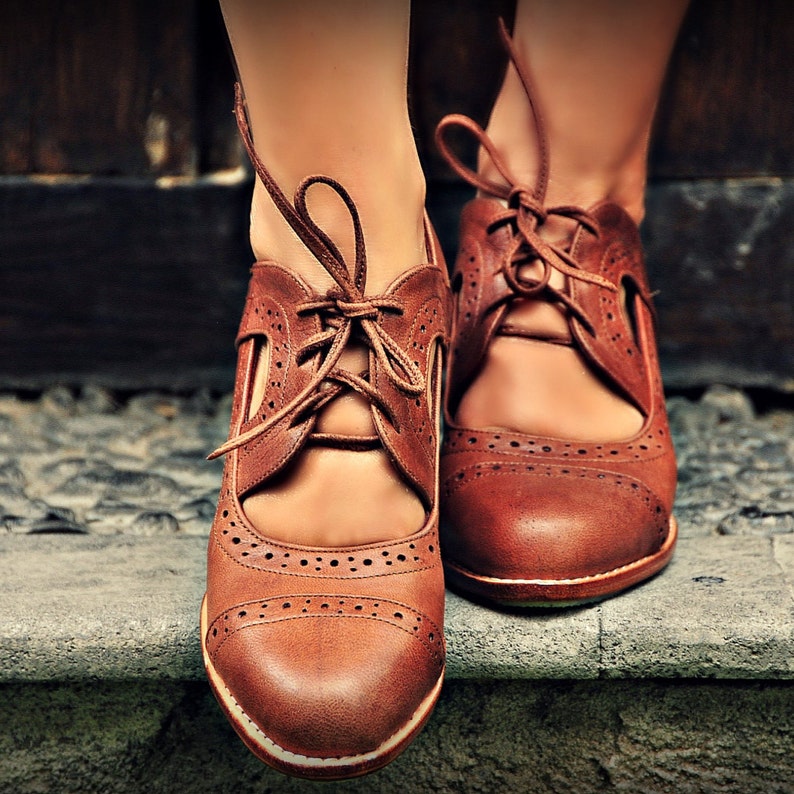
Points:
[522,506]
[578,519]
[355,634]
[315,643]
[329,652]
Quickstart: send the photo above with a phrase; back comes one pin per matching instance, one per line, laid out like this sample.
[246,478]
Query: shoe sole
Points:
[313,768]
[562,592]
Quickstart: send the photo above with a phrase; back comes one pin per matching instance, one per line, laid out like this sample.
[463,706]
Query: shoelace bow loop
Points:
[526,212]
[344,312]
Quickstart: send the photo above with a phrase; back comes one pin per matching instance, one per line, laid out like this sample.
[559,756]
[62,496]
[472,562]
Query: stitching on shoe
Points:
[411,621]
[646,443]
[400,556]
[285,755]
[482,470]
[437,656]
[320,575]
[595,577]
[377,554]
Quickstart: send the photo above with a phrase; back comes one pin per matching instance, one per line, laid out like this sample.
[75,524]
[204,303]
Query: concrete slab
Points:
[722,609]
[783,551]
[122,607]
[537,644]
[94,607]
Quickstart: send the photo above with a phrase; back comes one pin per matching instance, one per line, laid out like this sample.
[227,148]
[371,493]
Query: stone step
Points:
[122,608]
[680,685]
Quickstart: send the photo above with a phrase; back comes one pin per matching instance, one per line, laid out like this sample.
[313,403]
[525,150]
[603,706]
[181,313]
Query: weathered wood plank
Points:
[726,108]
[218,146]
[97,88]
[129,284]
[456,66]
[144,88]
[121,281]
[721,255]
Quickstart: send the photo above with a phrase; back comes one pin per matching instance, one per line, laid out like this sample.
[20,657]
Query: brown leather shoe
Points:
[533,520]
[328,661]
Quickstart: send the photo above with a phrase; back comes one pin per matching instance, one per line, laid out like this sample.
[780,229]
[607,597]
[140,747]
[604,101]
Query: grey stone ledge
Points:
[126,608]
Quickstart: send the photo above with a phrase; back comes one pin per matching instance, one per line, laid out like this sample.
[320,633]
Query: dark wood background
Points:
[123,191]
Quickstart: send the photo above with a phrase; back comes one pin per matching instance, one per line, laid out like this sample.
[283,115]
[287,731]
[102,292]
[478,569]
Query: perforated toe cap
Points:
[327,677]
[548,522]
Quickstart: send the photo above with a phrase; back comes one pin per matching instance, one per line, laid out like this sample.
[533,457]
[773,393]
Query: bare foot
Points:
[334,497]
[542,388]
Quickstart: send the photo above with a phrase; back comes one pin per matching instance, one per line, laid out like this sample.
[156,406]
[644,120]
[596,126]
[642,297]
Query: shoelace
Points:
[344,311]
[526,212]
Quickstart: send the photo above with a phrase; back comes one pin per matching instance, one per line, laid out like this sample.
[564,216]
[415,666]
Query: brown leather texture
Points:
[329,660]
[530,519]
[547,510]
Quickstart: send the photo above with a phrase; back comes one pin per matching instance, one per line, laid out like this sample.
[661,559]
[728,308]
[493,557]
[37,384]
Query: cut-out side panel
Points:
[629,306]
[260,372]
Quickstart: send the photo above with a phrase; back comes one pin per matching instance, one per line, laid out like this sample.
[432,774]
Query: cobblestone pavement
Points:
[94,462]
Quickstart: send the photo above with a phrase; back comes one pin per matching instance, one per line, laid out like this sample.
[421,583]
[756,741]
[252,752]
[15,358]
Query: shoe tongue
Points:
[612,352]
[349,414]
[538,319]
[533,319]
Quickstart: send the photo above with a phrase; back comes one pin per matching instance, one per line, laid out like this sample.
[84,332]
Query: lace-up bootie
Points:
[533,520]
[327,661]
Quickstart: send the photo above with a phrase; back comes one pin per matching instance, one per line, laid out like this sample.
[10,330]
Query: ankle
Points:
[388,189]
[584,169]
[579,183]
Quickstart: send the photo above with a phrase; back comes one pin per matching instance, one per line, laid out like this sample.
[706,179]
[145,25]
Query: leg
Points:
[558,470]
[325,85]
[598,68]
[322,624]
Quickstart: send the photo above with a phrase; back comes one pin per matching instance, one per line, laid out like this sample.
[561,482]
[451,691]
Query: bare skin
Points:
[598,68]
[326,89]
